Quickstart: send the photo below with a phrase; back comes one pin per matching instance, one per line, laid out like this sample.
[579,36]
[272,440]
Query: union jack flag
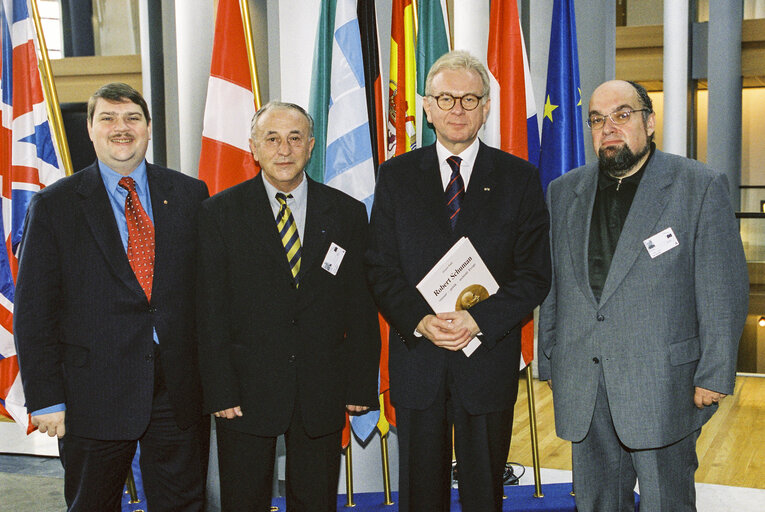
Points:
[29,161]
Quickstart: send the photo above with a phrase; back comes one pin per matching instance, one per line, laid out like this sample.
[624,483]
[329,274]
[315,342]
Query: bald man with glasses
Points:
[639,334]
[425,201]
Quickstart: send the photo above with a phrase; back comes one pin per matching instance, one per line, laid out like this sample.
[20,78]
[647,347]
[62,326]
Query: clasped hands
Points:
[452,331]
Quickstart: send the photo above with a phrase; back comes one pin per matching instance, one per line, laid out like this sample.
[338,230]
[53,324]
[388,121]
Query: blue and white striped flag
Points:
[348,162]
[341,123]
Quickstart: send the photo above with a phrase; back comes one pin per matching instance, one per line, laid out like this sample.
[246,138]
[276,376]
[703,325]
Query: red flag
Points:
[512,124]
[225,159]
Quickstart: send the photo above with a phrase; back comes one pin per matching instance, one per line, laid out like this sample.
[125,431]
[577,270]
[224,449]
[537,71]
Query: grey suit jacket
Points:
[663,325]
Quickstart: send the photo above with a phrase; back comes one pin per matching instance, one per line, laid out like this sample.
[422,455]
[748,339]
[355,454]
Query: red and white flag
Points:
[225,159]
[512,122]
[29,161]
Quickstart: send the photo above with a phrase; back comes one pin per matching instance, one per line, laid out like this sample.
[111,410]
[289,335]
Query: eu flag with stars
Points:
[562,147]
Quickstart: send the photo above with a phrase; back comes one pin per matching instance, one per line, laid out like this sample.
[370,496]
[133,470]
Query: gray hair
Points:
[458,60]
[281,105]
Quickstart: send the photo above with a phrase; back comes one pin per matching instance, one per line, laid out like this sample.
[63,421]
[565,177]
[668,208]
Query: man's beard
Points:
[622,160]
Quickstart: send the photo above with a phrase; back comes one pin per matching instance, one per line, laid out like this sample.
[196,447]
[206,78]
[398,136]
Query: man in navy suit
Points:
[104,317]
[425,201]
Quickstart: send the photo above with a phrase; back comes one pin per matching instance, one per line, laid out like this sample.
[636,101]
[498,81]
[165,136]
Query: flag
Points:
[343,156]
[402,130]
[402,137]
[348,161]
[562,124]
[225,158]
[512,122]
[29,161]
[370,49]
[432,42]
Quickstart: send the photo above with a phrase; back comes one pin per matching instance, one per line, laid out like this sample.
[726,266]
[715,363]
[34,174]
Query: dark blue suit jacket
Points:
[504,216]
[82,323]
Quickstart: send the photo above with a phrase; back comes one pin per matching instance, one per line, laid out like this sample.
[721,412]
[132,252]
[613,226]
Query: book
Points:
[457,282]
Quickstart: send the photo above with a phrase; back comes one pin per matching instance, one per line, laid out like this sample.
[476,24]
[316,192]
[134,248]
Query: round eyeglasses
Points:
[618,117]
[447,101]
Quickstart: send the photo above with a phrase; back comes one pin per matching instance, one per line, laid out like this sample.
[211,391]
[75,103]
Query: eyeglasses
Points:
[618,117]
[447,101]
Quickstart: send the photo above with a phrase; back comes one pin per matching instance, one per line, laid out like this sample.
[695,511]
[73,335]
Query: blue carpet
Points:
[557,498]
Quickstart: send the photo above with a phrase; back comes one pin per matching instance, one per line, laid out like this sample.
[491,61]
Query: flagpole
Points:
[386,469]
[414,19]
[130,482]
[244,7]
[349,475]
[51,96]
[534,439]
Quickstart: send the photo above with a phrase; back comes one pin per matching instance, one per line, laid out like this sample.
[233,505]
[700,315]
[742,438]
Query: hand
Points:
[52,423]
[461,320]
[230,413]
[356,409]
[444,332]
[705,397]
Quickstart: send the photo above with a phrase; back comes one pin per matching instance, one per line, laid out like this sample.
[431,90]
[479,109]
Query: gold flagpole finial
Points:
[245,10]
[51,96]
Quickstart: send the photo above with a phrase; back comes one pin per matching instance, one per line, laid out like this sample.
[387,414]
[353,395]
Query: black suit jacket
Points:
[504,216]
[83,325]
[267,345]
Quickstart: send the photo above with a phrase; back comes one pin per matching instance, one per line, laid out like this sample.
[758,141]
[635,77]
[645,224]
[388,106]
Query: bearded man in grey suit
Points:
[640,331]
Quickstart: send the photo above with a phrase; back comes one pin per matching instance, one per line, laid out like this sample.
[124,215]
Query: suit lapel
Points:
[430,190]
[579,218]
[260,223]
[318,218]
[479,189]
[163,206]
[99,215]
[645,211]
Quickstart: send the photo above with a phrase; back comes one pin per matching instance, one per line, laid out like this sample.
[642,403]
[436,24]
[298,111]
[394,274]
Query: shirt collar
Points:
[468,154]
[299,195]
[111,177]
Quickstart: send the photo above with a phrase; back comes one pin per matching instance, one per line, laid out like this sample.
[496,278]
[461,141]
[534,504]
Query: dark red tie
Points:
[455,190]
[140,247]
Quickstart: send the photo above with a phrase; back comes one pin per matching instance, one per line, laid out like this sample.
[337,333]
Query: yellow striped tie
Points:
[289,234]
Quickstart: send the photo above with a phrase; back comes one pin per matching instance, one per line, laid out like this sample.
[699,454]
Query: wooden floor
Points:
[731,448]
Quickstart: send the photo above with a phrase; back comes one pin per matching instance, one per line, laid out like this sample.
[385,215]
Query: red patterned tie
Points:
[140,247]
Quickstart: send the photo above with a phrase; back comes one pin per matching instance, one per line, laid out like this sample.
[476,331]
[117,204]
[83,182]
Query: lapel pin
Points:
[486,189]
[164,202]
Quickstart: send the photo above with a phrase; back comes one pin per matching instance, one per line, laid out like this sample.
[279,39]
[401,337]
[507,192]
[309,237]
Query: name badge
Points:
[661,242]
[333,259]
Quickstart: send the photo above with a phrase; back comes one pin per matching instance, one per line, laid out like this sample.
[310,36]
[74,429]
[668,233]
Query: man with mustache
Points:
[639,334]
[104,319]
